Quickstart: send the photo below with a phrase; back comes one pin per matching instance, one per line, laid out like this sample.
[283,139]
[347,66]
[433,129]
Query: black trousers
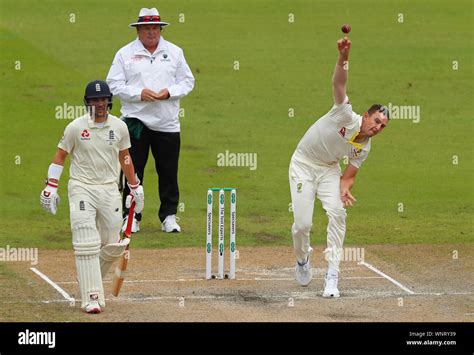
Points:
[165,148]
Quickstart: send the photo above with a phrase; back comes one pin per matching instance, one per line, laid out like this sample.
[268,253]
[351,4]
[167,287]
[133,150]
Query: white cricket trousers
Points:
[97,205]
[308,181]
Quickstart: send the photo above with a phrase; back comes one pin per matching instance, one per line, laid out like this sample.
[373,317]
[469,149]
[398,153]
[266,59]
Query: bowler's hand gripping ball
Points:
[346,28]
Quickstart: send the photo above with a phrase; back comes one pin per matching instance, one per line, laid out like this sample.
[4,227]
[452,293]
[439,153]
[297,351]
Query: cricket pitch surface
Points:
[409,283]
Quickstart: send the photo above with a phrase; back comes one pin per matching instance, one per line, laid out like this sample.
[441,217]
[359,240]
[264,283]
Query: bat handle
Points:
[131,212]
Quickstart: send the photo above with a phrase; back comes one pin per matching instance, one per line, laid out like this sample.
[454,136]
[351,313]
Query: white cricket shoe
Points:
[169,225]
[93,306]
[330,287]
[303,272]
[135,225]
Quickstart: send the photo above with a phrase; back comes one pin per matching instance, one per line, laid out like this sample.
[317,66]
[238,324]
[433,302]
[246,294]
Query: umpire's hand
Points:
[150,95]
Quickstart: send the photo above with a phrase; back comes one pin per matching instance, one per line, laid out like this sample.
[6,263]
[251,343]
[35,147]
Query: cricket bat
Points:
[121,267]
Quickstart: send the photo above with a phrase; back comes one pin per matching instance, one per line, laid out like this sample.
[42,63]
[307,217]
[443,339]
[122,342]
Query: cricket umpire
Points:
[315,172]
[98,145]
[150,76]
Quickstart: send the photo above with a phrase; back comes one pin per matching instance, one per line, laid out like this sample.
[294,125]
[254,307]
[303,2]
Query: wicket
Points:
[220,244]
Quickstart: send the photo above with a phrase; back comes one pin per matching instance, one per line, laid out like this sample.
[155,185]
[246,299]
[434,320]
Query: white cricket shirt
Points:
[95,150]
[135,69]
[331,138]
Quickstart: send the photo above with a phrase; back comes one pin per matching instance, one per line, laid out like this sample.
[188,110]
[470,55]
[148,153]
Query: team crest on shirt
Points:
[111,139]
[299,186]
[356,152]
[85,135]
[165,58]
[342,132]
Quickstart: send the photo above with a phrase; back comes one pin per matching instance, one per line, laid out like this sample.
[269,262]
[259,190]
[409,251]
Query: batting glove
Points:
[137,194]
[49,198]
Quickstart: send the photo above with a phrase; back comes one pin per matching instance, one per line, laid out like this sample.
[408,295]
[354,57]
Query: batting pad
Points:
[86,242]
[111,253]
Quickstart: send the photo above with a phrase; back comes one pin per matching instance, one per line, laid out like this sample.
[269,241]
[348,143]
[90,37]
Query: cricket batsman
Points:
[315,172]
[98,145]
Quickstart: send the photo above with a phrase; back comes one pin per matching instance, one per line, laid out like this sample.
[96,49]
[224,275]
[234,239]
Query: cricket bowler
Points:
[98,145]
[315,172]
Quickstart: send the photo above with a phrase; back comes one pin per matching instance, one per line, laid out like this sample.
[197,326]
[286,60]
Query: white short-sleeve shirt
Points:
[95,150]
[331,138]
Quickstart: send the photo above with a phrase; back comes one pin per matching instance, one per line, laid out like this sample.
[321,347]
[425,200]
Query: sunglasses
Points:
[385,111]
[149,19]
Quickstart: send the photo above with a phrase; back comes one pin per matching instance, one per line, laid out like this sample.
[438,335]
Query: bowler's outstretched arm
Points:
[339,78]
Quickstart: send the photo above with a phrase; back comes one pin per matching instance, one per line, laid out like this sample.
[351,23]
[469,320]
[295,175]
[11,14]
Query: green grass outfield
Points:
[283,65]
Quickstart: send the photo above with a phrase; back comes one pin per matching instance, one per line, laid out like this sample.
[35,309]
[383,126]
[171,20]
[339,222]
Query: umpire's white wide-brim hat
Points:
[149,17]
